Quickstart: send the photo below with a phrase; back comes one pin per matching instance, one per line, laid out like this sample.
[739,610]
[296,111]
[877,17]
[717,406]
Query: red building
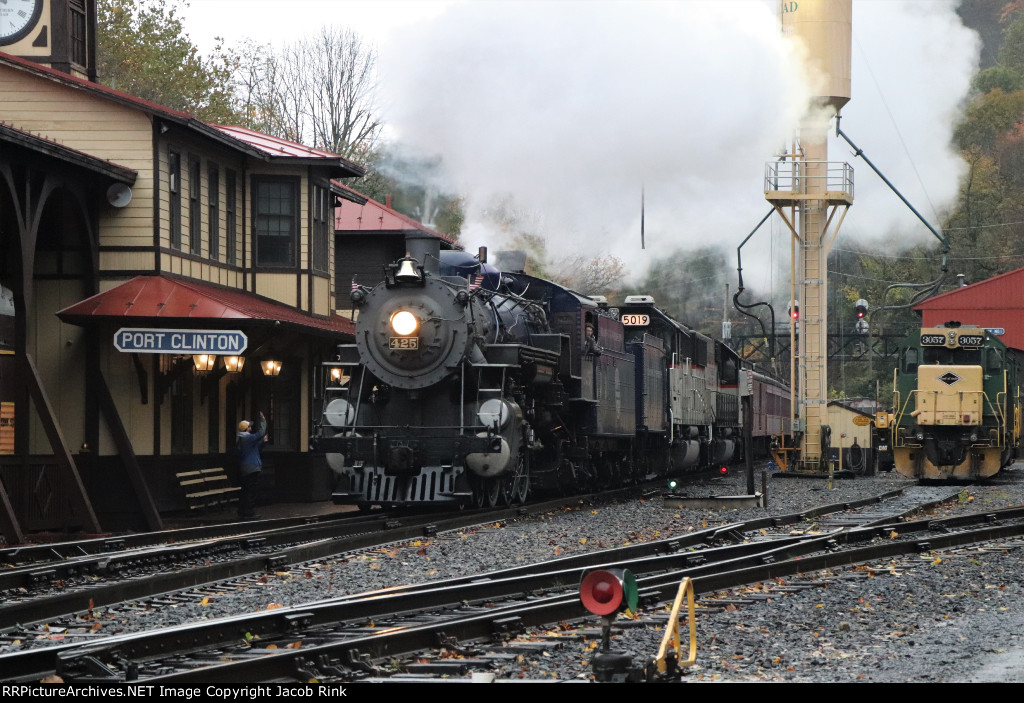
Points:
[996,303]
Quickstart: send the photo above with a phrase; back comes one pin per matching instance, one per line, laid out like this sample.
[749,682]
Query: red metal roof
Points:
[166,298]
[375,216]
[273,146]
[994,302]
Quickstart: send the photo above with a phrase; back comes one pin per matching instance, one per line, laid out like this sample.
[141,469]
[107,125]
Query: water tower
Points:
[809,191]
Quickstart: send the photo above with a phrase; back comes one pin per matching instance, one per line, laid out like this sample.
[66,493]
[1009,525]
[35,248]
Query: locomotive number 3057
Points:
[636,320]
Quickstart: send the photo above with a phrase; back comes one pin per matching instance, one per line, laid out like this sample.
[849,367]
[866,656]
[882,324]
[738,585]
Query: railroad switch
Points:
[295,621]
[510,626]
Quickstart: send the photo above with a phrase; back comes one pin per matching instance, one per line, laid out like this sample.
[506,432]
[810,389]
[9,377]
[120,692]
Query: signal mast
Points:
[807,191]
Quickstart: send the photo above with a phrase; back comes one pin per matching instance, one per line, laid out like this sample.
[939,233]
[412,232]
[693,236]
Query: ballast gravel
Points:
[949,619]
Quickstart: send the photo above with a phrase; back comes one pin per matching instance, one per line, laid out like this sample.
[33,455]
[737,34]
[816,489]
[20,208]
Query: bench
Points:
[207,488]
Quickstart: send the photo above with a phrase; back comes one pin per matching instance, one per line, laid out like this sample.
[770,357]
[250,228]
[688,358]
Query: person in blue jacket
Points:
[251,438]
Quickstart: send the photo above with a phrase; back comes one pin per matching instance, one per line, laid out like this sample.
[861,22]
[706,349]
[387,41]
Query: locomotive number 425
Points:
[403,343]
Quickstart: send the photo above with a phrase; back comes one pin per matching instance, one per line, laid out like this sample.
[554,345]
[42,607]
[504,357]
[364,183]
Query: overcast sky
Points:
[570,105]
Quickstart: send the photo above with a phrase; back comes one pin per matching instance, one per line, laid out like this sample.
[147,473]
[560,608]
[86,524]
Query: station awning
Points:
[170,300]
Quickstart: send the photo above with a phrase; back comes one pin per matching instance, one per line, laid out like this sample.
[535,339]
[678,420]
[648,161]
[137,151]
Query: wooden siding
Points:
[321,296]
[123,381]
[93,125]
[57,350]
[363,257]
[128,261]
[277,286]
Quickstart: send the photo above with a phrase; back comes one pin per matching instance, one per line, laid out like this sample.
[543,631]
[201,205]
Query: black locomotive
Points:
[467,385]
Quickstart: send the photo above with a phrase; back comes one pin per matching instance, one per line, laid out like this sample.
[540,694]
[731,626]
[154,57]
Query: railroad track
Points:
[161,563]
[346,638]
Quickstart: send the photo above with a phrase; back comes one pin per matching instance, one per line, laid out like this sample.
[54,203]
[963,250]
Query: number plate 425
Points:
[403,342]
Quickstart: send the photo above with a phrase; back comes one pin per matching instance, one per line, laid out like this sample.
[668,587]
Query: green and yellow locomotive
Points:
[956,404]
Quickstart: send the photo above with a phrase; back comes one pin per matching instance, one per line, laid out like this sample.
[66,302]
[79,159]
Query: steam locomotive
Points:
[467,385]
[956,411]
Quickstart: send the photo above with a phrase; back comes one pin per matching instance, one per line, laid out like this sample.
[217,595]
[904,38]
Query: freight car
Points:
[956,408]
[466,385]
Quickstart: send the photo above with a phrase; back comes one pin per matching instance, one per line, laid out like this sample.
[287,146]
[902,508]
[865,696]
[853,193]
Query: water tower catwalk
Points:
[808,190]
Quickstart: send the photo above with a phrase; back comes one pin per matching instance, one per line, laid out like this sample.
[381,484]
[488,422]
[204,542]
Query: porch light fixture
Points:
[204,362]
[271,367]
[234,364]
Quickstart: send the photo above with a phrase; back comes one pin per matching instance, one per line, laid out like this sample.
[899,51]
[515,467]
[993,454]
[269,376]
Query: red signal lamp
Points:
[607,591]
[724,470]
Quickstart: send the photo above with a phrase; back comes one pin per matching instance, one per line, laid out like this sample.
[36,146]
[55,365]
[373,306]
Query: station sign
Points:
[139,340]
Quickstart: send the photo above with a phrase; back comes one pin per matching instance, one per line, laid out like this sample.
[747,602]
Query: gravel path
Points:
[952,621]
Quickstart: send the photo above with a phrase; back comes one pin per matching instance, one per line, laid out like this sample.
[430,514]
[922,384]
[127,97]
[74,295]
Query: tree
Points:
[143,50]
[320,91]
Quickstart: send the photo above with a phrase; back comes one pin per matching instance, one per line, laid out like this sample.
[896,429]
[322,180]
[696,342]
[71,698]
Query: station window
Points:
[213,208]
[174,190]
[230,221]
[276,221]
[195,215]
[320,228]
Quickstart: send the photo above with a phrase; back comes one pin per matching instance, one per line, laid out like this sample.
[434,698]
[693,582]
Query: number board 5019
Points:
[632,320]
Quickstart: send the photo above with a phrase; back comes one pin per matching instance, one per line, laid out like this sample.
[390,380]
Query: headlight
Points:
[404,323]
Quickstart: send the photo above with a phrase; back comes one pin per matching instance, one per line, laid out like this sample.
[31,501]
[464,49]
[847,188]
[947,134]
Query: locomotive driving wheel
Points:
[515,487]
[492,491]
[486,491]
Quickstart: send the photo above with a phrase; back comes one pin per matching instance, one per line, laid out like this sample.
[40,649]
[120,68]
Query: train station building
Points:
[161,279]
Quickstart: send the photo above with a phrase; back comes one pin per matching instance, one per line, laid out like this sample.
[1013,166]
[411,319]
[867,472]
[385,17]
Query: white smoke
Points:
[569,108]
[912,66]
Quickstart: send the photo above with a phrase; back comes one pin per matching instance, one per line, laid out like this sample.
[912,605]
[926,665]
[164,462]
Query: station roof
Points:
[165,299]
[253,143]
[373,216]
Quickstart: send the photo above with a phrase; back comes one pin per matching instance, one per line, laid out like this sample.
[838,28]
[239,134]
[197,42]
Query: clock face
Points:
[17,18]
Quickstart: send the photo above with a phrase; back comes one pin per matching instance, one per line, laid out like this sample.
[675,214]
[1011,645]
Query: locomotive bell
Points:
[407,271]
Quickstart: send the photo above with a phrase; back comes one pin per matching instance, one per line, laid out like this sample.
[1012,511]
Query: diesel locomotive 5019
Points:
[468,385]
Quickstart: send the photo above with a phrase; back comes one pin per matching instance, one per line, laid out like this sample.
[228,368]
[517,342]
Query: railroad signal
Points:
[861,308]
[794,311]
[607,591]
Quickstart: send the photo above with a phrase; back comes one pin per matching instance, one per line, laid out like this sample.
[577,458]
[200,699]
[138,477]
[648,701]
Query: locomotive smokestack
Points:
[425,249]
